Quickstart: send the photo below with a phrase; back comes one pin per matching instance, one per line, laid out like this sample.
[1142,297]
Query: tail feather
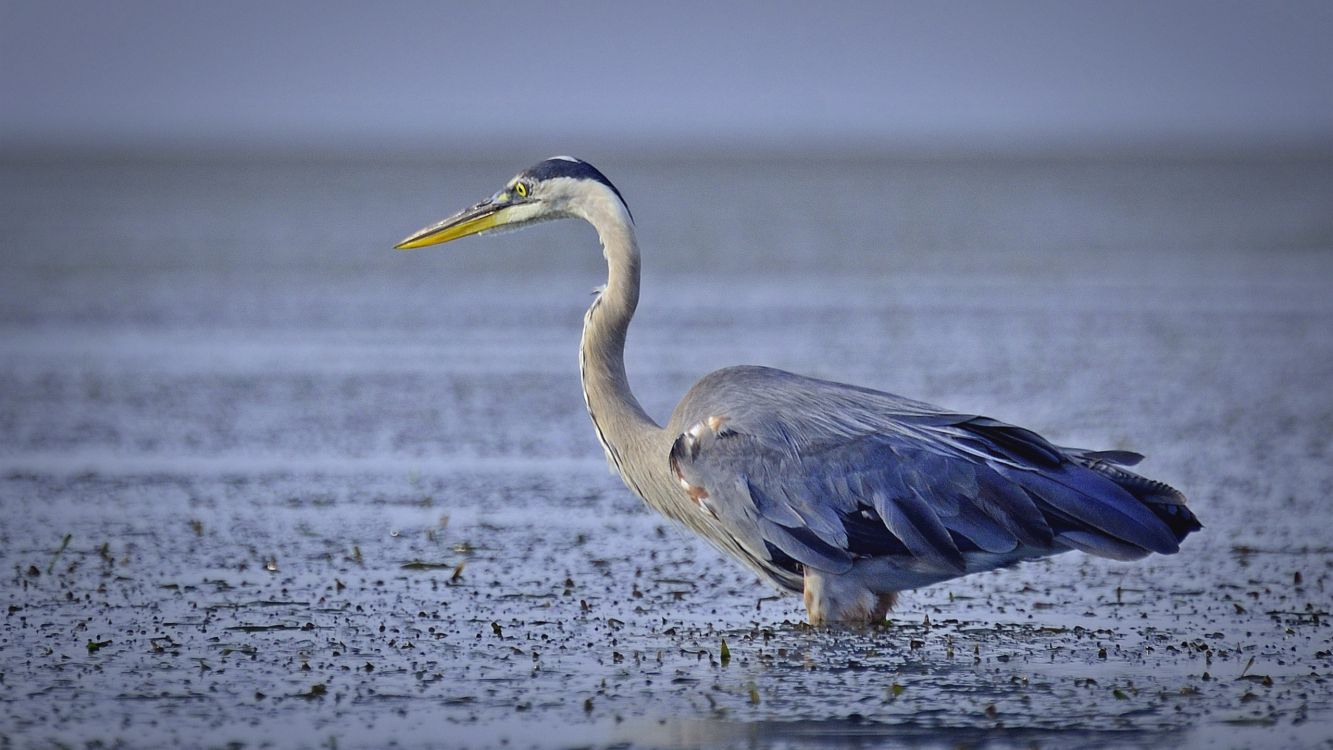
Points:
[1165,501]
[1101,545]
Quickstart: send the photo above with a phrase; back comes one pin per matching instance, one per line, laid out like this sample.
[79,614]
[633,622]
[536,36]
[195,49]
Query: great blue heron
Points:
[845,494]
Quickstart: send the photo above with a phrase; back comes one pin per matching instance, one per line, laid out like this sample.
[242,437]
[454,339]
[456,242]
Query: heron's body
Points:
[845,494]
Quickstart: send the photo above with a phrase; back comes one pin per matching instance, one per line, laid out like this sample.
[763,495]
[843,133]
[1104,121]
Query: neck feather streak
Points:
[623,427]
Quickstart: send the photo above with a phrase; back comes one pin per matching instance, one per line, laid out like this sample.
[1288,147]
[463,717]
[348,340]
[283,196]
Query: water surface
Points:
[266,482]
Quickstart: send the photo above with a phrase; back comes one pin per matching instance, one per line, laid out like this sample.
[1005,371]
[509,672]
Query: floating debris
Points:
[317,690]
[60,551]
[425,565]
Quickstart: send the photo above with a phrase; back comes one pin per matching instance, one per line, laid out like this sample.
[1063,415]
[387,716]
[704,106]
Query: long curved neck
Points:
[625,430]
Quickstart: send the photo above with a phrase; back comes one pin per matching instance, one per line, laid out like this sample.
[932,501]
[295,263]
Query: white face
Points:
[531,202]
[545,192]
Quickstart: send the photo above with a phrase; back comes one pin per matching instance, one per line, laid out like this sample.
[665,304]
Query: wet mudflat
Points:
[267,487]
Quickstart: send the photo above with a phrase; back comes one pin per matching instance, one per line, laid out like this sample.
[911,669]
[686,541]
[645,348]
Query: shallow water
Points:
[320,494]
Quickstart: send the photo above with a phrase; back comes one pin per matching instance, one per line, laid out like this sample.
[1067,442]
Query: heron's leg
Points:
[843,599]
[883,603]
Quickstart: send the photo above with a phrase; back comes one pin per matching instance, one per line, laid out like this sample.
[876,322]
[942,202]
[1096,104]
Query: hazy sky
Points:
[420,74]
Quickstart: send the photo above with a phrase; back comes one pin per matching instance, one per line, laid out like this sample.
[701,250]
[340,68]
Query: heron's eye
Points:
[521,188]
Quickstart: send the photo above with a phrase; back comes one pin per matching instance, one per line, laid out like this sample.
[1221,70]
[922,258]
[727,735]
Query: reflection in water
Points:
[854,734]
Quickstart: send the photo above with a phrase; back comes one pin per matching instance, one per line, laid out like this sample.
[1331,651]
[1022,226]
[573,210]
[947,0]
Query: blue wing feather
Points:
[911,519]
[974,525]
[1087,498]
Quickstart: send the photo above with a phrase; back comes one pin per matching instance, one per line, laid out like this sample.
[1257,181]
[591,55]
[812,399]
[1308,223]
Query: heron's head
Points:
[561,187]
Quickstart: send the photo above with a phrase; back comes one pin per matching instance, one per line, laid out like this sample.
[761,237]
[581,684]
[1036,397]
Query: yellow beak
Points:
[478,218]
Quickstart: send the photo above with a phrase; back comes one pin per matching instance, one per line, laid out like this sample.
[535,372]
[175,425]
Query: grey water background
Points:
[268,483]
